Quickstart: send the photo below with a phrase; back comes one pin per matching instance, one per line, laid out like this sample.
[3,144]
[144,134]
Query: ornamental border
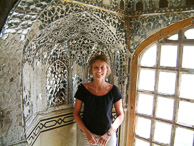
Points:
[56,122]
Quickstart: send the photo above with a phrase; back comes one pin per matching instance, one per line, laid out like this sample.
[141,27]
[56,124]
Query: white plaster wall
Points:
[11,114]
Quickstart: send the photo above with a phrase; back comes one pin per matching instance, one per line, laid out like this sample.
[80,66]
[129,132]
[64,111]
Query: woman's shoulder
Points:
[115,89]
[111,86]
[86,85]
[82,87]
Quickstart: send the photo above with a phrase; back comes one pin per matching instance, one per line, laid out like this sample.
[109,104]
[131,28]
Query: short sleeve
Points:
[117,94]
[79,93]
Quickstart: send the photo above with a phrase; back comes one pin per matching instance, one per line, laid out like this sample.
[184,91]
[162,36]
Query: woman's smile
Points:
[99,69]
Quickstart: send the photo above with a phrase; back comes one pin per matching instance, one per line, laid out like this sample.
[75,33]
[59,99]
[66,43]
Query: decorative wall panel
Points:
[25,13]
[57,84]
[140,29]
[46,124]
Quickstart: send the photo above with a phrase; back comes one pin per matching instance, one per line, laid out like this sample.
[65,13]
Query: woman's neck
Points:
[99,84]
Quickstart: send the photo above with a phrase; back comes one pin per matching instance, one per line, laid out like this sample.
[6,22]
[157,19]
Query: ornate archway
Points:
[55,62]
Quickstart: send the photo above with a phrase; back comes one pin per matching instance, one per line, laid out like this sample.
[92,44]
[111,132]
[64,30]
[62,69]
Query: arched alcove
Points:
[139,6]
[57,84]
[56,60]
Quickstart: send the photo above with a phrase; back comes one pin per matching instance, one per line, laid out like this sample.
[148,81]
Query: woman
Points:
[98,97]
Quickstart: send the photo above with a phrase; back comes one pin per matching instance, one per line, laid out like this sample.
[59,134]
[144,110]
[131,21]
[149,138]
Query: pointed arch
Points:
[59,52]
[157,36]
[139,6]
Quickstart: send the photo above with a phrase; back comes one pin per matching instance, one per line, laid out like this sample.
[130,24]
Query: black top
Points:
[97,115]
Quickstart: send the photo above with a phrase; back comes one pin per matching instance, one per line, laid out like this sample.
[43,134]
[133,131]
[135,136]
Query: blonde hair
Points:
[101,57]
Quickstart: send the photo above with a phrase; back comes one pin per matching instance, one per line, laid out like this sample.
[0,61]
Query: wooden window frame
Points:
[157,36]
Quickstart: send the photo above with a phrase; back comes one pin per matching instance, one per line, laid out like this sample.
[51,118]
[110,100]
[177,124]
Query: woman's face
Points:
[99,69]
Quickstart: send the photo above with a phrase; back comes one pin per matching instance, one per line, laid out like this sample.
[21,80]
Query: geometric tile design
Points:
[54,122]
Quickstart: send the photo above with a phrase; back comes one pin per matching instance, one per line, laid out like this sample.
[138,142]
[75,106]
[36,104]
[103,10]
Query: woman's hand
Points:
[91,138]
[103,140]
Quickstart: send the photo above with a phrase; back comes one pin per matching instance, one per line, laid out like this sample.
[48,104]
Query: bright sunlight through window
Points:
[165,92]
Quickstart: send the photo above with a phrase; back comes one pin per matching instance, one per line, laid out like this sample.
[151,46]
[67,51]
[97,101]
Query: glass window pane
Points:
[162,132]
[188,58]
[145,104]
[185,113]
[139,142]
[149,57]
[166,82]
[189,34]
[186,86]
[173,37]
[143,127]
[168,55]
[183,137]
[165,108]
[147,79]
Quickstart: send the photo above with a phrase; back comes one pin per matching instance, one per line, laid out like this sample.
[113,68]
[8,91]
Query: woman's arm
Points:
[76,114]
[120,116]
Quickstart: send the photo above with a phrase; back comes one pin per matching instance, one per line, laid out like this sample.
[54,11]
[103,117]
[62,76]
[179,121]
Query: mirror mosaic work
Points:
[53,43]
[56,58]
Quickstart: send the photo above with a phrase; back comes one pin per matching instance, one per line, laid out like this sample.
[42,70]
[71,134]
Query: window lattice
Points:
[165,97]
